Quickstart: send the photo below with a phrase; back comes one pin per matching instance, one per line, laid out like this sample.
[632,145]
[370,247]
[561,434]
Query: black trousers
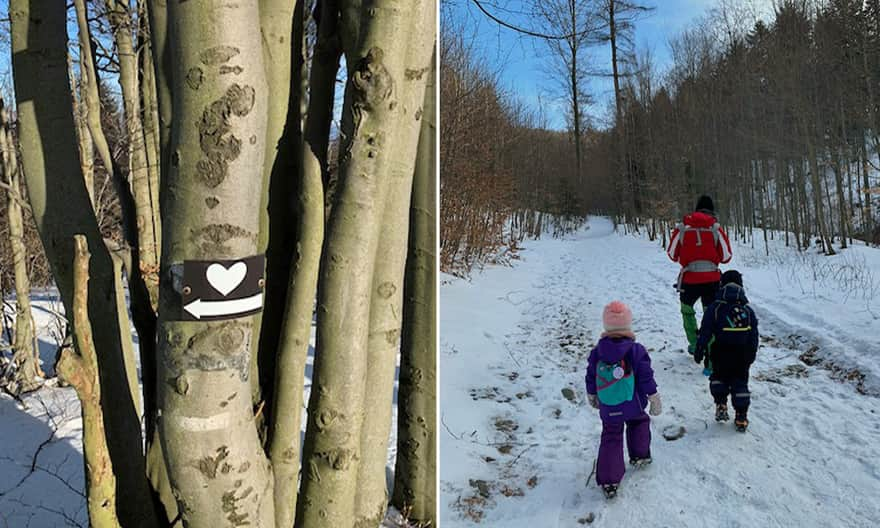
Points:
[705,292]
[736,387]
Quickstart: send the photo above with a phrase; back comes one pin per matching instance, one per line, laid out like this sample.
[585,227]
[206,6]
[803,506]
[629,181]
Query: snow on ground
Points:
[41,465]
[518,442]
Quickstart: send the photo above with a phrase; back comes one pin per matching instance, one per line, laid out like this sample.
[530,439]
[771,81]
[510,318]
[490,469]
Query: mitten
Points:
[698,355]
[656,407]
[594,400]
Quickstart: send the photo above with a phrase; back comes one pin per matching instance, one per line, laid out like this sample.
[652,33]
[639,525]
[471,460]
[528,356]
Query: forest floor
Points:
[518,442]
[41,464]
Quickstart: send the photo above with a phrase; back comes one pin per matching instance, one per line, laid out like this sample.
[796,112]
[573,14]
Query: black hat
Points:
[704,203]
[732,276]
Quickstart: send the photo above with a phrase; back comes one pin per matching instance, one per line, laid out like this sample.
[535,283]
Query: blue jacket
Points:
[730,353]
[612,350]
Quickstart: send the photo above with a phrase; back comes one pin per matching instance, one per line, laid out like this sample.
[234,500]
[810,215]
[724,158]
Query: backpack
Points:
[715,230]
[615,383]
[735,323]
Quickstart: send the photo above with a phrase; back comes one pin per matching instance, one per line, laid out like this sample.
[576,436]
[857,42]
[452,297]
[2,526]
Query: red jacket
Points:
[699,238]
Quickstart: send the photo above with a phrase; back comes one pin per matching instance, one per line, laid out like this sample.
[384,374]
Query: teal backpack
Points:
[615,383]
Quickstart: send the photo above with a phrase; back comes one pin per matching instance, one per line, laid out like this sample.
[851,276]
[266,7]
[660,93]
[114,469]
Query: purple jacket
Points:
[611,350]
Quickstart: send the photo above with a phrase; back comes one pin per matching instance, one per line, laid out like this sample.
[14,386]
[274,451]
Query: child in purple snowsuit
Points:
[618,353]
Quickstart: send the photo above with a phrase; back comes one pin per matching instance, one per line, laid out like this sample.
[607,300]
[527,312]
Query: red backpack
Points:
[699,244]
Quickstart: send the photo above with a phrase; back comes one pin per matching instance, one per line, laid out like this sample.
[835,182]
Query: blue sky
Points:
[520,59]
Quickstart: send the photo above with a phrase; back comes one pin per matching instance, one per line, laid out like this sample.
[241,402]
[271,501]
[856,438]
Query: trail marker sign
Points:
[222,289]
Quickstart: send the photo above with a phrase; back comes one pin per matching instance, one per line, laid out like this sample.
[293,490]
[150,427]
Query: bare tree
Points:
[575,20]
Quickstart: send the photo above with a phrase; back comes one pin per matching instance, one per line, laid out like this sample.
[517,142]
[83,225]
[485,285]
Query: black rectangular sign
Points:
[222,289]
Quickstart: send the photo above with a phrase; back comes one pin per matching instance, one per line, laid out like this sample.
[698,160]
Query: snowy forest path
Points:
[523,450]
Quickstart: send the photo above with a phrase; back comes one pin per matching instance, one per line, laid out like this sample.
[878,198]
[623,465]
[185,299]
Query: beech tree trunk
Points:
[415,470]
[284,439]
[281,23]
[386,307]
[61,208]
[387,75]
[218,470]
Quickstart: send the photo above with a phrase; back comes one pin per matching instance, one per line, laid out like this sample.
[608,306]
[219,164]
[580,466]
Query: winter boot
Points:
[639,463]
[741,422]
[721,412]
[610,490]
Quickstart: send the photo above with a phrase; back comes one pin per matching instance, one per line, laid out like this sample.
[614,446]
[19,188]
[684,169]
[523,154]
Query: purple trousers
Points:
[610,466]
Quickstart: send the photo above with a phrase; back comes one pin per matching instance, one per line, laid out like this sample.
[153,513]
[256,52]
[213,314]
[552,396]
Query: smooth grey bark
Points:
[91,101]
[415,470]
[386,305]
[120,257]
[25,355]
[276,26]
[158,15]
[156,97]
[61,208]
[139,176]
[281,23]
[149,112]
[84,138]
[392,36]
[284,437]
[218,470]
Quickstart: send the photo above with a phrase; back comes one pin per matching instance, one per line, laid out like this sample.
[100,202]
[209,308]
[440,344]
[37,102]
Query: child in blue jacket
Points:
[730,325]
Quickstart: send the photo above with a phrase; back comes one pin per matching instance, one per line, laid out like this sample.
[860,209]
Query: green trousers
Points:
[689,320]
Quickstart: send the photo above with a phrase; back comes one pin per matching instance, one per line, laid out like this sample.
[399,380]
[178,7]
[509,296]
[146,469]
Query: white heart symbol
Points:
[223,279]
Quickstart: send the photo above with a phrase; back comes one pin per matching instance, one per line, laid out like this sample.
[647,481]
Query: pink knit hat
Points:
[617,320]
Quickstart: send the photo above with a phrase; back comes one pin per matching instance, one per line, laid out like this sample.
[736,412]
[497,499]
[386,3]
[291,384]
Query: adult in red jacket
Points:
[699,244]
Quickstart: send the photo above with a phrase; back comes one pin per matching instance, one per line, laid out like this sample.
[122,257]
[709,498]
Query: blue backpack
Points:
[615,383]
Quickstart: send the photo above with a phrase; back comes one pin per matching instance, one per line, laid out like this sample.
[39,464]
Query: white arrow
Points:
[199,308]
